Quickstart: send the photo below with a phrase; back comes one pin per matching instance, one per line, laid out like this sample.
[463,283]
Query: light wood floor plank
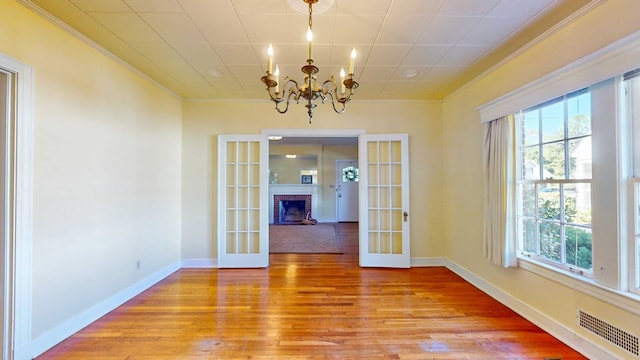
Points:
[312,306]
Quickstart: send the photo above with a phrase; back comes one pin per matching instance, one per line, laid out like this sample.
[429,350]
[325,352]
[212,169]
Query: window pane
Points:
[550,241]
[549,201]
[531,163]
[580,158]
[577,203]
[552,122]
[531,131]
[529,236]
[553,161]
[579,114]
[578,247]
[529,200]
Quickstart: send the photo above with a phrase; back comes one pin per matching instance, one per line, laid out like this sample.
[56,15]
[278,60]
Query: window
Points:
[554,217]
[632,91]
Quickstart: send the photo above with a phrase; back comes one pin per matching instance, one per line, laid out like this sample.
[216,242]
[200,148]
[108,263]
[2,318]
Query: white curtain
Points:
[498,157]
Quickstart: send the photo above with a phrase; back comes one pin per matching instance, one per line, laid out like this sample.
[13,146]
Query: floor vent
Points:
[609,332]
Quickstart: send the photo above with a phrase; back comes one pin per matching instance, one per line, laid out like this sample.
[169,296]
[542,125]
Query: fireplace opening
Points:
[292,211]
[296,207]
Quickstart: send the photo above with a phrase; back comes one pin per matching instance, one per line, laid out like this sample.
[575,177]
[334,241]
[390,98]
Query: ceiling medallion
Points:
[310,90]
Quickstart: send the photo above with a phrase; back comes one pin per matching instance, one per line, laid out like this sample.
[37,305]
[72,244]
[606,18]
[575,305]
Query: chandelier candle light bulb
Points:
[353,61]
[276,74]
[342,86]
[269,58]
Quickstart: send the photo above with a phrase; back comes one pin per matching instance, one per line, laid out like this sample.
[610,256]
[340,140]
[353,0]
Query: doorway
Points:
[16,115]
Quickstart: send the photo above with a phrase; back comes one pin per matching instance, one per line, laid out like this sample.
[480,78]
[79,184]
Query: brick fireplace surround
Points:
[281,197]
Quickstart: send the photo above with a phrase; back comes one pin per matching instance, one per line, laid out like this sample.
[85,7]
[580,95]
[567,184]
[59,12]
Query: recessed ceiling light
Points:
[290,156]
[275,137]
[410,73]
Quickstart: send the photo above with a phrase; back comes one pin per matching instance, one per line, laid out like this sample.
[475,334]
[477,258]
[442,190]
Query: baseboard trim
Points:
[428,262]
[199,263]
[56,335]
[556,329]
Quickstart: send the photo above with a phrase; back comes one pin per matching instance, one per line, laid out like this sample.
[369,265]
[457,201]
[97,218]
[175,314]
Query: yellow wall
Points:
[106,170]
[463,137]
[203,121]
[327,155]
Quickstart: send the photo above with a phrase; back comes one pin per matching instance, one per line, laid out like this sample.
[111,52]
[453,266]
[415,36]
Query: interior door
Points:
[347,180]
[384,200]
[243,224]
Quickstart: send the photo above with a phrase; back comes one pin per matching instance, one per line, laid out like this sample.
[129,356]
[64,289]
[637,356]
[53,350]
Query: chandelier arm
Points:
[290,91]
[338,100]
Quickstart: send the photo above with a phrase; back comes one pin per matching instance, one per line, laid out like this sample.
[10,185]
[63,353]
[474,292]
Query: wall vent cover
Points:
[609,332]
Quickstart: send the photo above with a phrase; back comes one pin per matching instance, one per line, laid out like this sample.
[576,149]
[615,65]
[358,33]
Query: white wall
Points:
[463,172]
[106,171]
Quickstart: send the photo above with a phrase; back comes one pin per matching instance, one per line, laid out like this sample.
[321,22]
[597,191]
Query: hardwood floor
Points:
[312,307]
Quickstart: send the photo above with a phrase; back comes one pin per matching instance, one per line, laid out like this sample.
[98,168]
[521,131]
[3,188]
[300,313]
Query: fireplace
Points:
[290,209]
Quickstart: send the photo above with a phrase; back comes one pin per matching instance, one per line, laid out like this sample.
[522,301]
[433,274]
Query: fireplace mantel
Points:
[294,189]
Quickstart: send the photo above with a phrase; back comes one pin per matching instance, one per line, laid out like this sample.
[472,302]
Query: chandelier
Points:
[310,90]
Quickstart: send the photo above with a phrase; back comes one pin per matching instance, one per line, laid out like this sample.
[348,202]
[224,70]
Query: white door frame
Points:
[317,133]
[19,247]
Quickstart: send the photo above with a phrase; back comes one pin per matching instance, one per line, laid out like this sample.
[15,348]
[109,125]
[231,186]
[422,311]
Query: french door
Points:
[243,224]
[384,200]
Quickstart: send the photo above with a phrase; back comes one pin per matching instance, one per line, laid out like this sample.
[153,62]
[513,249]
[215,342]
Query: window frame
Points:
[522,182]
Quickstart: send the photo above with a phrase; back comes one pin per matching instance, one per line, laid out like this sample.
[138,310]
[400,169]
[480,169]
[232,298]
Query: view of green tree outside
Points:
[556,168]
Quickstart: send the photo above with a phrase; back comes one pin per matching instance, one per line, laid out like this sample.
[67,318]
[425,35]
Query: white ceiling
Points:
[216,49]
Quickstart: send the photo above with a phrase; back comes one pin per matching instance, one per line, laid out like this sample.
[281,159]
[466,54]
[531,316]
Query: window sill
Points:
[625,300]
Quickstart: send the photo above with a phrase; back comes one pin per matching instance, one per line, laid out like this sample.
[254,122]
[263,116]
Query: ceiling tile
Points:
[154,5]
[469,7]
[246,72]
[219,29]
[426,54]
[463,55]
[240,54]
[207,7]
[447,30]
[274,28]
[403,29]
[127,26]
[416,7]
[200,55]
[357,8]
[173,27]
[104,6]
[377,73]
[388,54]
[491,30]
[520,9]
[357,30]
[261,6]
